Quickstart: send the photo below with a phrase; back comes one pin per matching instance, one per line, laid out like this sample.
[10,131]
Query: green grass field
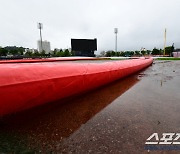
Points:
[170,58]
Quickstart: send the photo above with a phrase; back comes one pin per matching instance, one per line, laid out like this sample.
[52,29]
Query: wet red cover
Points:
[26,85]
[48,60]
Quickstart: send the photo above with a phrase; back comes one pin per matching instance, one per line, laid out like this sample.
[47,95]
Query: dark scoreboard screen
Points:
[84,44]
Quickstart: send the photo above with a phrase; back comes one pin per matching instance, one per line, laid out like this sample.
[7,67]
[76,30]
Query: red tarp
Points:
[26,85]
[48,60]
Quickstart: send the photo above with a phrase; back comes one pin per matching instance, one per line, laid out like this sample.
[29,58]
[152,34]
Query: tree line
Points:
[20,51]
[25,52]
[168,52]
[11,50]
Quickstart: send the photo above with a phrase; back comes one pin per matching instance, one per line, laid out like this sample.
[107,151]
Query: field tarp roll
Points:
[47,60]
[26,85]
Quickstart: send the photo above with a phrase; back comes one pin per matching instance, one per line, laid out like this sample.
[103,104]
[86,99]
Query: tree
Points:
[43,53]
[143,52]
[122,54]
[117,54]
[127,53]
[148,52]
[66,53]
[156,52]
[58,54]
[102,53]
[54,52]
[13,50]
[113,53]
[131,53]
[21,50]
[137,52]
[36,54]
[3,52]
[169,50]
[108,53]
[28,53]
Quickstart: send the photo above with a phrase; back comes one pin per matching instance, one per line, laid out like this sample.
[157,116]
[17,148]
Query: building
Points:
[84,47]
[176,53]
[30,50]
[44,47]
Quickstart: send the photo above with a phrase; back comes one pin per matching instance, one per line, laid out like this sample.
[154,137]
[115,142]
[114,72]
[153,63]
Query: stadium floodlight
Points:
[40,27]
[164,42]
[116,31]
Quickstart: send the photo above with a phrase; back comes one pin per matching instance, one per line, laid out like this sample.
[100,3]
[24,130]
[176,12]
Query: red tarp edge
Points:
[26,85]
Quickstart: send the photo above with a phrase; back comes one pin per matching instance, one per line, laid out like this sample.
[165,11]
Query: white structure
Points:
[30,50]
[45,46]
[176,53]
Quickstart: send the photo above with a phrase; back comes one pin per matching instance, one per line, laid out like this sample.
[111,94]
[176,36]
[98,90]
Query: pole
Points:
[164,41]
[115,31]
[40,27]
[116,43]
[41,39]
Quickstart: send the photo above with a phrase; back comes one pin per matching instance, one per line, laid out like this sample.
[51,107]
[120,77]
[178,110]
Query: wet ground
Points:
[116,118]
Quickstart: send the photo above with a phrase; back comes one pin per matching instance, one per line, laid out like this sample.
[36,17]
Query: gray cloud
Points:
[141,23]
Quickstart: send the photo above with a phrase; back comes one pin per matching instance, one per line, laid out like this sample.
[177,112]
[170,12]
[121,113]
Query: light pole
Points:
[165,42]
[116,31]
[40,26]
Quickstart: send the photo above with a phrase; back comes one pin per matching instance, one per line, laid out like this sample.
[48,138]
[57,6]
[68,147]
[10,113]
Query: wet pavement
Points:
[116,118]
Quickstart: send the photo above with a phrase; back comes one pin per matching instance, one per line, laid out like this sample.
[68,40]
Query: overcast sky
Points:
[141,23]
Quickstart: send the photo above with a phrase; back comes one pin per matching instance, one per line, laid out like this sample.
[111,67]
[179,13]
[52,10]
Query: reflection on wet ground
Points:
[117,118]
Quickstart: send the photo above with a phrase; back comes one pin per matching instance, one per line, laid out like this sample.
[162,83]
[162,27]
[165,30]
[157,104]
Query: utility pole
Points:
[164,41]
[116,31]
[40,27]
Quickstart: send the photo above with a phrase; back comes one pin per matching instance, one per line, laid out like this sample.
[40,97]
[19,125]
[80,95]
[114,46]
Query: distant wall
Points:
[176,54]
